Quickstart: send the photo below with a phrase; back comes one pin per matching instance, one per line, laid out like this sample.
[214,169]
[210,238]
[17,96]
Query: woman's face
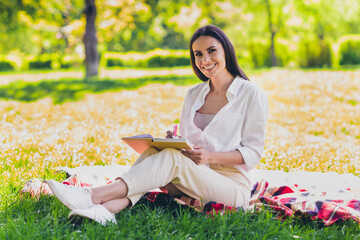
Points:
[209,56]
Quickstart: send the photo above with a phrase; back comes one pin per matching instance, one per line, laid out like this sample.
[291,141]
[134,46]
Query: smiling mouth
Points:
[210,67]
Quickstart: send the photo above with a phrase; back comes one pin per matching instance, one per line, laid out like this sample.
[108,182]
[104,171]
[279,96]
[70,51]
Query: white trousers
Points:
[155,169]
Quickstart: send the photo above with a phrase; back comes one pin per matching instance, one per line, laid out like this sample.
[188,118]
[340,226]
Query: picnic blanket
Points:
[327,197]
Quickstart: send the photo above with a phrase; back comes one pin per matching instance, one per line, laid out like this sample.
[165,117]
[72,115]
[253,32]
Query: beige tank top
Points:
[201,120]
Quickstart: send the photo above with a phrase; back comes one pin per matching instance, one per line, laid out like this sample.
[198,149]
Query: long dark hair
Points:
[230,57]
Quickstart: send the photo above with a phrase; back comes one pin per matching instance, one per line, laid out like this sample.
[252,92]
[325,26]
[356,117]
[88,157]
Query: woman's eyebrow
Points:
[206,49]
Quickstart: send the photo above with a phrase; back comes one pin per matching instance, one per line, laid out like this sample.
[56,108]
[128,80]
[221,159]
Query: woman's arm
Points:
[252,144]
[201,156]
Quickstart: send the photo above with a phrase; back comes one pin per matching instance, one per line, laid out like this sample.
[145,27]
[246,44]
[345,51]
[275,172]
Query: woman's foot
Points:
[97,213]
[70,196]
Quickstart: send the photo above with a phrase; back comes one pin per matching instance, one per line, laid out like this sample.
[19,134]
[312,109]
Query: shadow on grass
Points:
[64,90]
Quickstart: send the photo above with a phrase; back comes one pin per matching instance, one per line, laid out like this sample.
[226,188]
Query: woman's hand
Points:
[169,134]
[199,155]
[172,134]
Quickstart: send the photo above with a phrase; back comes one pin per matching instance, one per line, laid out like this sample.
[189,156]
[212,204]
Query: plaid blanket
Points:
[287,200]
[292,200]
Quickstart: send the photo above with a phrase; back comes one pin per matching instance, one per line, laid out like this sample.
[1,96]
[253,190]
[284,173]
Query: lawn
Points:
[314,125]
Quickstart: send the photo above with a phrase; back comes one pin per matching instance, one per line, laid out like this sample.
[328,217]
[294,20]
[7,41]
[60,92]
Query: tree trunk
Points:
[273,33]
[90,40]
[272,50]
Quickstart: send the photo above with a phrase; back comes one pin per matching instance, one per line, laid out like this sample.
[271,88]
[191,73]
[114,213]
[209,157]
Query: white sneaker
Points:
[97,213]
[70,196]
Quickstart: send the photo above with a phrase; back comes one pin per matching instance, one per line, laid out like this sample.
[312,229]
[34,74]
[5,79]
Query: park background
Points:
[64,104]
[39,34]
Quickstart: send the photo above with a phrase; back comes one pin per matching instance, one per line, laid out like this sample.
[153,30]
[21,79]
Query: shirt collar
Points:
[235,86]
[232,90]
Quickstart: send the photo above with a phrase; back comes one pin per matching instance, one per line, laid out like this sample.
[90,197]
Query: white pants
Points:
[155,169]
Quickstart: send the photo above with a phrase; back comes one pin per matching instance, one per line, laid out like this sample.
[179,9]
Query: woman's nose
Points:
[206,58]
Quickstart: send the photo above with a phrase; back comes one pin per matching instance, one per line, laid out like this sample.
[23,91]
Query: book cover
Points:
[141,142]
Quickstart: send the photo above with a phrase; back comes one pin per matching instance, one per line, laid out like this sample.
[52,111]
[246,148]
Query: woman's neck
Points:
[222,83]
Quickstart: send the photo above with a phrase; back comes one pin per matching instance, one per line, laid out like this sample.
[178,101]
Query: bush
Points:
[155,58]
[114,62]
[43,61]
[286,53]
[6,66]
[349,50]
[11,62]
[70,61]
[167,61]
[315,53]
[260,54]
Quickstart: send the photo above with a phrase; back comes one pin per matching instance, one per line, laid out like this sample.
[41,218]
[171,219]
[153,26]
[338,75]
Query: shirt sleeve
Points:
[183,121]
[253,130]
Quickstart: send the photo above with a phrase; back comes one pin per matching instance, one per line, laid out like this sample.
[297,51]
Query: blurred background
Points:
[50,34]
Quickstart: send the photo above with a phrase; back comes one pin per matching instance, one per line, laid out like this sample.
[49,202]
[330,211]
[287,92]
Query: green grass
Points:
[82,69]
[73,89]
[46,218]
[39,71]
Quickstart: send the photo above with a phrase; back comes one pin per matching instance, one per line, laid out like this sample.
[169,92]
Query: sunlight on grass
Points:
[313,125]
[40,136]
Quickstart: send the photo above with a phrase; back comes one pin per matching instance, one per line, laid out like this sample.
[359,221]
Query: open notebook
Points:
[141,142]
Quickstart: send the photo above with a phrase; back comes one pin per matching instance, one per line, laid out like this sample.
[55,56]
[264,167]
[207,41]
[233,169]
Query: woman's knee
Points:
[173,155]
[169,153]
[150,151]
[170,150]
[147,153]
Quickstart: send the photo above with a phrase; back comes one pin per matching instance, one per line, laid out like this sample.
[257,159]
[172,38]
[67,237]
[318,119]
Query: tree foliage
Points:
[264,32]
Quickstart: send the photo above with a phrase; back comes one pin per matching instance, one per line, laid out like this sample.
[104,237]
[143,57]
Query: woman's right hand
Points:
[172,134]
[169,134]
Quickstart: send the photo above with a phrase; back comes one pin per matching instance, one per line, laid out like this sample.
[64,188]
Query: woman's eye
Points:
[197,54]
[212,50]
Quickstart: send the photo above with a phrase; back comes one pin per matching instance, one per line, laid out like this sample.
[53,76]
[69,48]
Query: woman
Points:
[224,118]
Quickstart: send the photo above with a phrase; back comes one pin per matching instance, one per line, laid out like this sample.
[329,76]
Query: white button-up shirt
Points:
[239,125]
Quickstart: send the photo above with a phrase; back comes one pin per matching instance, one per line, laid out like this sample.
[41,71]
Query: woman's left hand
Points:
[199,155]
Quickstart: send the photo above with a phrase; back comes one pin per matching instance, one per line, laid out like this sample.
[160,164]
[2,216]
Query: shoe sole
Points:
[58,195]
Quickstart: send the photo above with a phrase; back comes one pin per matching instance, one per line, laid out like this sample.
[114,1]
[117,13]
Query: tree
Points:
[274,23]
[140,25]
[321,29]
[273,31]
[90,40]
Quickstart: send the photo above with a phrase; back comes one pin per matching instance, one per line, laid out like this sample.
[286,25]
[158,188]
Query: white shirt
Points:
[239,125]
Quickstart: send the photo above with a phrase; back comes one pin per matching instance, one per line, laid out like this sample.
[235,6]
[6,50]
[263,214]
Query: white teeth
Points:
[207,68]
